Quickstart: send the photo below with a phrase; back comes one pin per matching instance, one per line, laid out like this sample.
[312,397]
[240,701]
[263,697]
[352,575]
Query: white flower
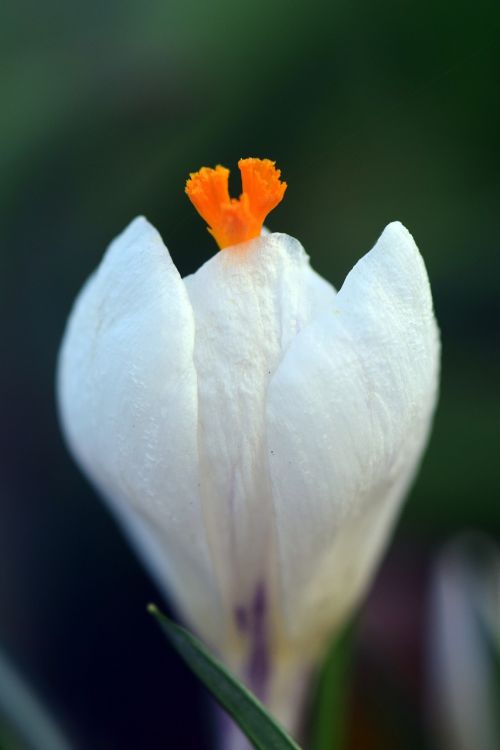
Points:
[254,431]
[463,635]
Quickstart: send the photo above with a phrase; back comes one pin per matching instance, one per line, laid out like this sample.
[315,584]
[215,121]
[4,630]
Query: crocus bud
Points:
[253,430]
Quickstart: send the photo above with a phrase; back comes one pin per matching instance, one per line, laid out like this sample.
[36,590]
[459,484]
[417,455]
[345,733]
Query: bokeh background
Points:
[374,111]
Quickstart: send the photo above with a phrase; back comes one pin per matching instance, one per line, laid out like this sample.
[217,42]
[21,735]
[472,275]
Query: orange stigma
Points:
[234,220]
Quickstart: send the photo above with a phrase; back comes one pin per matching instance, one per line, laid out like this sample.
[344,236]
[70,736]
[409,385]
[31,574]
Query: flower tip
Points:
[396,228]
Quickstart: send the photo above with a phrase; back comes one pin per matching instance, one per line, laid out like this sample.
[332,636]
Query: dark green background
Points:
[374,111]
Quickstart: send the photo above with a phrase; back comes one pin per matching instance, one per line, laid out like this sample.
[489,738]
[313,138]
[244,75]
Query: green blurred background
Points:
[374,111]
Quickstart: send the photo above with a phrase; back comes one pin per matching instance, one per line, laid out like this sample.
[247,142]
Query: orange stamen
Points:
[234,220]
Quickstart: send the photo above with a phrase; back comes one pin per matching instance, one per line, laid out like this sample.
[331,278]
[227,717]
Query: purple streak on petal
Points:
[241,618]
[258,662]
[259,602]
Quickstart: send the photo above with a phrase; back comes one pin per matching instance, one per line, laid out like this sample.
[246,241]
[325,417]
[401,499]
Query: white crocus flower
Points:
[253,430]
[463,634]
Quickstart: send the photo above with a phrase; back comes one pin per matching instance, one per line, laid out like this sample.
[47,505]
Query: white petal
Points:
[249,302]
[348,414]
[128,399]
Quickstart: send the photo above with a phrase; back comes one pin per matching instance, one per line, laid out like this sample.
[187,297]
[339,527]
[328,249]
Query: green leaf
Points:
[330,702]
[8,741]
[251,716]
